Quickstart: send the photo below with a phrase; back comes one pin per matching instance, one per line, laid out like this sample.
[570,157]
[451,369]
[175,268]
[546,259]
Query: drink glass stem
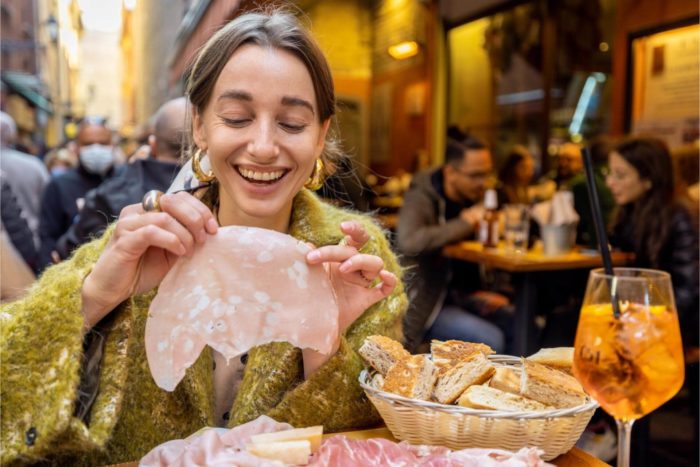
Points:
[624,438]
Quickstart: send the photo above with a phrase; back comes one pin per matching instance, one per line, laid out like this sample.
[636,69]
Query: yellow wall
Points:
[344,32]
[343,29]
[470,82]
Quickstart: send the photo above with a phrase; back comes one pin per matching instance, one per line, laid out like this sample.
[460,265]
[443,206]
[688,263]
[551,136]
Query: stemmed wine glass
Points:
[631,363]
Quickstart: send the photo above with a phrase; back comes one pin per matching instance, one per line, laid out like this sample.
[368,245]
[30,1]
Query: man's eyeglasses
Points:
[476,175]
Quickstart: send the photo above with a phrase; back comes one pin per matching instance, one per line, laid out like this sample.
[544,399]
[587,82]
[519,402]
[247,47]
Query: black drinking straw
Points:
[599,226]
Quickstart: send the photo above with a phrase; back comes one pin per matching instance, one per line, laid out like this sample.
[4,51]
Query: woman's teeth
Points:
[261,176]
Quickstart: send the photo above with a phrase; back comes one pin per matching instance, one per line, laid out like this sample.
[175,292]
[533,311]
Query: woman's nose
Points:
[263,144]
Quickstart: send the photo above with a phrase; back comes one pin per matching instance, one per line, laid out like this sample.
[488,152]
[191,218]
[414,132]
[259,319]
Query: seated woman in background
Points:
[262,102]
[516,176]
[657,226]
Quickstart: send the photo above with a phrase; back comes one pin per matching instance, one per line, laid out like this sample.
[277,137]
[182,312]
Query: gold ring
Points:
[151,201]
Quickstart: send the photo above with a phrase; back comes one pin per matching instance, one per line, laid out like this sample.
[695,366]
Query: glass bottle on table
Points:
[488,227]
[632,363]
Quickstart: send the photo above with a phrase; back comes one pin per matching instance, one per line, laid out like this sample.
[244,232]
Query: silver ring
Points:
[151,201]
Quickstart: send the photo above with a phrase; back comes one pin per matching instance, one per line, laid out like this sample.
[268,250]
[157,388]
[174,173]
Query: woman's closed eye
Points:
[236,122]
[292,127]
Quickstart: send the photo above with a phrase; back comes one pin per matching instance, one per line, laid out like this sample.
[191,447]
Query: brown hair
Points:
[274,28]
[651,214]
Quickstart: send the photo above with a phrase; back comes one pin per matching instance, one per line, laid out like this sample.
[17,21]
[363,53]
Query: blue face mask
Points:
[59,170]
[97,158]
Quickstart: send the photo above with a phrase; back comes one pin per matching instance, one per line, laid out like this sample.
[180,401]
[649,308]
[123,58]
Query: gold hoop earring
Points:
[315,181]
[197,168]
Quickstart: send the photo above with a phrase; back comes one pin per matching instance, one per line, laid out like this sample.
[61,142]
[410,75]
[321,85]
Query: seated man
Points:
[442,207]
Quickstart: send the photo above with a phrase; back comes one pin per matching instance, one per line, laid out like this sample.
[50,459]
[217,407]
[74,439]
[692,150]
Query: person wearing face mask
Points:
[65,194]
[155,172]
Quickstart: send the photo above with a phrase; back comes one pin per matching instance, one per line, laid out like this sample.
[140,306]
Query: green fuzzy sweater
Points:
[42,350]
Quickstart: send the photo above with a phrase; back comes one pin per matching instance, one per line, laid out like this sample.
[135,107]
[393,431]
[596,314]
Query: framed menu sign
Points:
[665,72]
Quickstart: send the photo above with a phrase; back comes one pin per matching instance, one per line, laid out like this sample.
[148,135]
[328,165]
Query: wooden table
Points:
[524,268]
[573,458]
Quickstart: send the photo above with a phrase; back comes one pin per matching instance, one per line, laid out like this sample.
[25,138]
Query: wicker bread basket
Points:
[424,422]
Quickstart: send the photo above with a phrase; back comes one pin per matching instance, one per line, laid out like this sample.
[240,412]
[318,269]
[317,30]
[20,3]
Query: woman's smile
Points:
[261,176]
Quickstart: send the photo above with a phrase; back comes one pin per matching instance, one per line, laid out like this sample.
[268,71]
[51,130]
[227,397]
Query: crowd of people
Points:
[248,146]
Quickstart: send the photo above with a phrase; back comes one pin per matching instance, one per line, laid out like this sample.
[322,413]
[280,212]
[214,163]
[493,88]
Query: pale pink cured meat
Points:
[242,288]
[220,446]
[340,451]
[214,446]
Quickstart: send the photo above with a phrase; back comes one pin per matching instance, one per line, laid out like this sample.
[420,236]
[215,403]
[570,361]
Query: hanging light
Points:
[403,50]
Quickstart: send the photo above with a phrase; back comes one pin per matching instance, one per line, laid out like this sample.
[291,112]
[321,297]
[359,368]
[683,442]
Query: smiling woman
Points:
[262,103]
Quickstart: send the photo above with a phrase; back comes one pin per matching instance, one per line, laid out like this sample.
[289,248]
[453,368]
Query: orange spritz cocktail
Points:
[629,357]
[633,364]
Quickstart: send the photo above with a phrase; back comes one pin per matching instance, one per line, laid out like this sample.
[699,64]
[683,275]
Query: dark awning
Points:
[29,87]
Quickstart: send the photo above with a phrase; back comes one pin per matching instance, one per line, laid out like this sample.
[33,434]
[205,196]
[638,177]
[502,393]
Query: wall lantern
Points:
[52,28]
[403,50]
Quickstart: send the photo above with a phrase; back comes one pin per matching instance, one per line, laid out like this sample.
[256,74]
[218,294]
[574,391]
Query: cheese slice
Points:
[312,434]
[289,452]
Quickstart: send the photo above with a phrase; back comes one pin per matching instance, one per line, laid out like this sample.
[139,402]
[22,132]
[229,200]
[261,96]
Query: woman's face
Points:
[262,133]
[524,171]
[624,181]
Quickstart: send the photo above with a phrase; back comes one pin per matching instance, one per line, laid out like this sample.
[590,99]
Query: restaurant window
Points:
[535,74]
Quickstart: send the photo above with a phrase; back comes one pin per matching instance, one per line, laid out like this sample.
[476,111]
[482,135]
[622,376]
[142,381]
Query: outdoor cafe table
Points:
[524,268]
[574,458]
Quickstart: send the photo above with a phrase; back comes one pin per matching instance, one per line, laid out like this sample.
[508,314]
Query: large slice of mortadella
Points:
[242,288]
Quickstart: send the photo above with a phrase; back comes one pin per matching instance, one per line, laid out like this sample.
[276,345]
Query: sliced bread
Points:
[559,358]
[485,397]
[382,353]
[447,353]
[412,377]
[475,369]
[551,387]
[506,379]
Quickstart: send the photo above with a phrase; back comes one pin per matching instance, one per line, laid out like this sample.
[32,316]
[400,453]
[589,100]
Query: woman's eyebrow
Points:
[297,101]
[290,101]
[233,94]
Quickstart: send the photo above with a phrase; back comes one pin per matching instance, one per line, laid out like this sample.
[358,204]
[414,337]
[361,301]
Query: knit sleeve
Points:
[332,396]
[41,343]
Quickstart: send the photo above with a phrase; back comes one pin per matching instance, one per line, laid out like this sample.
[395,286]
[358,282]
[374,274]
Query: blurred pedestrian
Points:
[25,173]
[155,172]
[16,275]
[59,161]
[15,225]
[64,195]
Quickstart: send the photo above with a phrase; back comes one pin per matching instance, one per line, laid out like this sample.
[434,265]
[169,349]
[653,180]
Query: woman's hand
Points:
[142,249]
[352,275]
